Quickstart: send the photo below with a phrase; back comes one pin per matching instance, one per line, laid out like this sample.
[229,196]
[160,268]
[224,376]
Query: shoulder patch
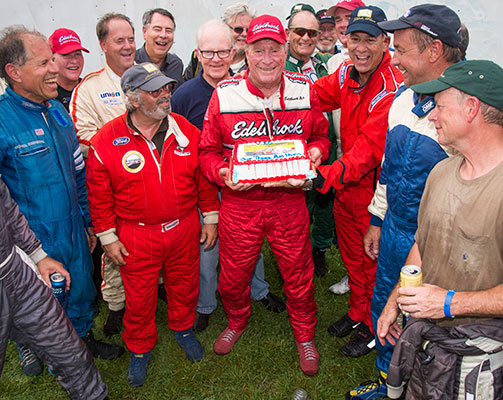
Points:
[230,82]
[295,77]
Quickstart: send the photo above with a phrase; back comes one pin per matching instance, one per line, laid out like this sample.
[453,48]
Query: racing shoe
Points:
[113,324]
[308,357]
[362,342]
[188,342]
[30,364]
[320,263]
[343,327]
[137,370]
[202,321]
[273,303]
[226,341]
[340,287]
[370,390]
[98,348]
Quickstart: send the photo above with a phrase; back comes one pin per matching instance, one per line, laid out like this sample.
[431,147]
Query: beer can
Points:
[58,283]
[411,275]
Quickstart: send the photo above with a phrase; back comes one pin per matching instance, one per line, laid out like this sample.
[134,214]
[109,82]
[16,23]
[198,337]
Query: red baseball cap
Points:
[266,27]
[64,41]
[347,5]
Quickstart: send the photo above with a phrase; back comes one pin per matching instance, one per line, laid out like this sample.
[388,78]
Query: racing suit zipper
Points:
[269,118]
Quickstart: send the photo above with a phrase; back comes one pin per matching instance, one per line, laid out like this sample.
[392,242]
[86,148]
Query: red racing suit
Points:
[236,113]
[364,121]
[151,202]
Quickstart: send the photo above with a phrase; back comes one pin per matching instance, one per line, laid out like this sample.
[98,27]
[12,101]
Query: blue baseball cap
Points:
[366,19]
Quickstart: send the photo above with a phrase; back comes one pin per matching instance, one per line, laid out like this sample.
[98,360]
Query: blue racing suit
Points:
[41,163]
[411,151]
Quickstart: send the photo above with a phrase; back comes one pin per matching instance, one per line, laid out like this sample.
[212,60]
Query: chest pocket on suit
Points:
[35,165]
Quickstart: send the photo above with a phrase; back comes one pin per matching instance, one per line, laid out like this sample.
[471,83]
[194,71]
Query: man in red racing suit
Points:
[144,190]
[363,88]
[255,109]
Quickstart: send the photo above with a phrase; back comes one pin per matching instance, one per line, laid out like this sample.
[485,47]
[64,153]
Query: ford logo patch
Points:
[120,141]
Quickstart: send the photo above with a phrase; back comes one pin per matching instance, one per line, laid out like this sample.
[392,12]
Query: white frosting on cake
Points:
[270,161]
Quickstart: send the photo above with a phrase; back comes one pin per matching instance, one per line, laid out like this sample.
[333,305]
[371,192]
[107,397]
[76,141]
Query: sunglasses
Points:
[156,93]
[239,29]
[302,31]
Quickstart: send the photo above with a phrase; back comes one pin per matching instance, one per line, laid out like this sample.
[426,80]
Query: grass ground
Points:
[263,365]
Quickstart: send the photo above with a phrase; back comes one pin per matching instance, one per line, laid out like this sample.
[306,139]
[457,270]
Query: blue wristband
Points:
[447,303]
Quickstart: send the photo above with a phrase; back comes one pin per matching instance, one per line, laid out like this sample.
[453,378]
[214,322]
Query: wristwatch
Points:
[309,185]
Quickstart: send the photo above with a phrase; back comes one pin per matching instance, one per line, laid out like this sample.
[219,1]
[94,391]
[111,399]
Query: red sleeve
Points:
[319,129]
[99,189]
[207,194]
[211,155]
[328,90]
[366,153]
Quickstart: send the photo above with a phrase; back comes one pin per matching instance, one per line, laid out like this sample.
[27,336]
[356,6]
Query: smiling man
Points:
[42,165]
[276,101]
[328,37]
[145,188]
[95,101]
[159,34]
[363,89]
[67,50]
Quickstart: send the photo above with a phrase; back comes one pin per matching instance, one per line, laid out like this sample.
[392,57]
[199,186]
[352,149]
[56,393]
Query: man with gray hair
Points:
[214,52]
[95,101]
[145,188]
[42,165]
[237,17]
[159,34]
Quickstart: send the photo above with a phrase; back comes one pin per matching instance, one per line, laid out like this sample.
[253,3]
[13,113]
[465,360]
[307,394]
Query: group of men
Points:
[153,186]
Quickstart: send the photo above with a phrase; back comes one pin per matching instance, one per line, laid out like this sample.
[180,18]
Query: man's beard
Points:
[160,112]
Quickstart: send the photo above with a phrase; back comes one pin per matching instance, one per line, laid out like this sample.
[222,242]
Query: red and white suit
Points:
[236,113]
[364,121]
[151,203]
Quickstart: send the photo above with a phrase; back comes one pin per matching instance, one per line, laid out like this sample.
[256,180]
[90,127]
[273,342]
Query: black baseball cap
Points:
[145,76]
[436,20]
[366,19]
[323,17]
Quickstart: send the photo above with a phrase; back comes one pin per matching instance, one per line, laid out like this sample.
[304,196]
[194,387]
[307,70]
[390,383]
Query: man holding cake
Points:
[363,88]
[266,105]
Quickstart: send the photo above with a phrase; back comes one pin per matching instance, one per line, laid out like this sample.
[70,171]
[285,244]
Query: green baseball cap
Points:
[301,7]
[480,78]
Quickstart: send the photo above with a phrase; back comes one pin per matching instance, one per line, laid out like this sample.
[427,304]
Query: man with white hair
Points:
[214,52]
[237,16]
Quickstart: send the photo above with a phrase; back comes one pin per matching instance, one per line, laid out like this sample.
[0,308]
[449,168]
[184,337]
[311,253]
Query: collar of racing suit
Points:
[257,92]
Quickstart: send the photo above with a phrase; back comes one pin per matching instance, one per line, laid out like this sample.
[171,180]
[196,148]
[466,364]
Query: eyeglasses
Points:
[156,93]
[209,54]
[239,29]
[302,31]
[329,29]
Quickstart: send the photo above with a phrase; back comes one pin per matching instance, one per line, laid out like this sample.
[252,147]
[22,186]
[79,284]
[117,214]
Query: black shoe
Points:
[202,321]
[343,327]
[362,342]
[113,324]
[320,263]
[161,293]
[107,351]
[273,303]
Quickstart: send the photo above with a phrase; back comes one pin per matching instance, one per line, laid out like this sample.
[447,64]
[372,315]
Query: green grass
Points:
[263,365]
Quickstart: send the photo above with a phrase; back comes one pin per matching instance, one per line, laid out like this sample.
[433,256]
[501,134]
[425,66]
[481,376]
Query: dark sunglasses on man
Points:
[239,29]
[302,31]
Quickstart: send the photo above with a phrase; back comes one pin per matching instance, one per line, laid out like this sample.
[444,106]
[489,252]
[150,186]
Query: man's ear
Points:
[13,72]
[435,50]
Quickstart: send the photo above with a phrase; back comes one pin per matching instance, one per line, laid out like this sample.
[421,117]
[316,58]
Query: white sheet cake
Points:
[260,162]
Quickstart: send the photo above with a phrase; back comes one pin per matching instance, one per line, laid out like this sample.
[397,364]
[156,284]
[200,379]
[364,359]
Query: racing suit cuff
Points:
[107,237]
[319,181]
[375,220]
[38,255]
[210,217]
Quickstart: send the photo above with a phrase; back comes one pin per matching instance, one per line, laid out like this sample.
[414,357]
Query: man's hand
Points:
[315,155]
[426,301]
[371,241]
[92,240]
[387,327]
[290,183]
[224,172]
[48,266]
[116,251]
[209,234]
